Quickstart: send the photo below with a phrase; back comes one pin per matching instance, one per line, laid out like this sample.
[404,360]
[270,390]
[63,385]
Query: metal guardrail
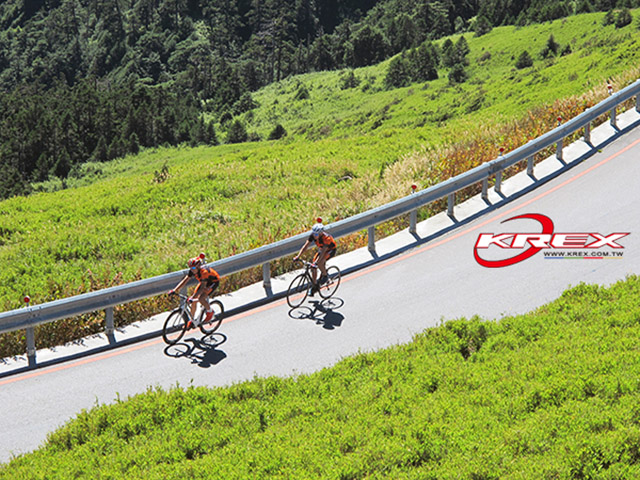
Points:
[29,317]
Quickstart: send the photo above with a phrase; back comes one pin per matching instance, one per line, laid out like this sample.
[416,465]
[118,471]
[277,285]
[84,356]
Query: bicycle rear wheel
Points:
[333,282]
[298,290]
[212,325]
[174,327]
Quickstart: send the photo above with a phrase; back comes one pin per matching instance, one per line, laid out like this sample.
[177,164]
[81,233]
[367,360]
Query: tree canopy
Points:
[95,79]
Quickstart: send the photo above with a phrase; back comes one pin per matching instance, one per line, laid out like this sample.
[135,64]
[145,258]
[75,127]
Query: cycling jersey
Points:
[324,240]
[205,274]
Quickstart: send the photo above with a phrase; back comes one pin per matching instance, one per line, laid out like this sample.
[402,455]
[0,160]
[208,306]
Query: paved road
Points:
[380,306]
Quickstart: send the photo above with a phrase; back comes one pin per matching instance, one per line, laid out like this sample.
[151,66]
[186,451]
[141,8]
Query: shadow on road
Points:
[202,352]
[322,312]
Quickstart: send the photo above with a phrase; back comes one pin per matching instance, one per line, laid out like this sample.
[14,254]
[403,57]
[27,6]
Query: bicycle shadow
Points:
[323,313]
[202,352]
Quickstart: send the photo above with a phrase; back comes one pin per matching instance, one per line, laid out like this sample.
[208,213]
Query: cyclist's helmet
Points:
[317,229]
[196,262]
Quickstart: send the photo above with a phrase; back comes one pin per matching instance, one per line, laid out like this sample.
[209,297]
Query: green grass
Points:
[553,394]
[347,151]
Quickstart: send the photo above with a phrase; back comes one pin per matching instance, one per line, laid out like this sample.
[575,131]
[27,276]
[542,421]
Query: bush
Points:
[244,104]
[482,26]
[237,132]
[609,18]
[524,61]
[302,93]
[623,18]
[349,80]
[398,74]
[277,133]
[551,48]
[458,74]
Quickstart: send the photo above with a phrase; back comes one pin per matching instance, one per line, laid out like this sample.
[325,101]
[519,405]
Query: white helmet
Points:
[317,229]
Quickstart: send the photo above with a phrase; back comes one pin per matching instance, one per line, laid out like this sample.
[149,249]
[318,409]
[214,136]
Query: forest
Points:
[95,80]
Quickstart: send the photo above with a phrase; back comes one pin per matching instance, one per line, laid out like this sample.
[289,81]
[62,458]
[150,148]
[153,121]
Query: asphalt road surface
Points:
[380,306]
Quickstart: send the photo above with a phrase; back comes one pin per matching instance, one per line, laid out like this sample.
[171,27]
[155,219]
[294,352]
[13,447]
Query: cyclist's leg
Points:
[322,262]
[207,290]
[314,271]
[322,259]
[193,304]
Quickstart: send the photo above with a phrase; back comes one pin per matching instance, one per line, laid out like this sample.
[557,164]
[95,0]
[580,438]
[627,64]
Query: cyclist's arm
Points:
[304,247]
[182,283]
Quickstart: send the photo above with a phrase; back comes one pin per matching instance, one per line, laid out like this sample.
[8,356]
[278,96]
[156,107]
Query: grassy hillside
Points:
[347,150]
[553,394]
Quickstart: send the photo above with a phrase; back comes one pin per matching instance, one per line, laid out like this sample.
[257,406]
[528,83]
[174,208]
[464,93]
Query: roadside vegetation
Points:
[553,394]
[345,144]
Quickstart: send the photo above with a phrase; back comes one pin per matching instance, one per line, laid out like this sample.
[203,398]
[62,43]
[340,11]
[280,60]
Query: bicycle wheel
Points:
[333,282]
[298,290]
[174,327]
[212,325]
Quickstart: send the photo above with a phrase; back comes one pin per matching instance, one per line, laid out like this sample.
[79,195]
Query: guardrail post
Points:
[371,234]
[485,189]
[638,103]
[266,276]
[31,346]
[613,120]
[498,186]
[530,166]
[559,144]
[451,200]
[587,133]
[413,215]
[109,326]
[413,221]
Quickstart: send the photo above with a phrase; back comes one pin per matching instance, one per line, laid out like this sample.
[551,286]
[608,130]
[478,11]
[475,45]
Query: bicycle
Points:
[300,285]
[179,321]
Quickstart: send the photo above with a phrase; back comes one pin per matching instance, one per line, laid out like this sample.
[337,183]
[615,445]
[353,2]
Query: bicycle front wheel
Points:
[212,325]
[333,282]
[298,290]
[174,327]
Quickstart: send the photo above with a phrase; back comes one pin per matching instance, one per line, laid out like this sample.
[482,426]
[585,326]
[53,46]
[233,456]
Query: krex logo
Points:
[534,242]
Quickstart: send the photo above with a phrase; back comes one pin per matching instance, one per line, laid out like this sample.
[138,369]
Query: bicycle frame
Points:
[181,319]
[184,306]
[297,291]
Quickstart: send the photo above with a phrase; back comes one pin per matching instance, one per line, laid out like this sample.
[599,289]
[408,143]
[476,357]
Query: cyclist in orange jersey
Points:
[327,248]
[208,280]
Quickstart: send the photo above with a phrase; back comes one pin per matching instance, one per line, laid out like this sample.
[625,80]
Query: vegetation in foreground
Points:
[553,394]
[344,152]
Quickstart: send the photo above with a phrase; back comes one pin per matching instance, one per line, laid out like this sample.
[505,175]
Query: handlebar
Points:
[181,295]
[307,264]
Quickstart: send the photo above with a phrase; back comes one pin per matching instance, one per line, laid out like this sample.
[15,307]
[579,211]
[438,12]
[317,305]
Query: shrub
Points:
[237,132]
[551,48]
[524,61]
[623,18]
[277,133]
[349,80]
[458,74]
[609,18]
[398,74]
[302,93]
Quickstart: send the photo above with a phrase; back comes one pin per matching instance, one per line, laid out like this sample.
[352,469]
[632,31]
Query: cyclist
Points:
[327,248]
[208,280]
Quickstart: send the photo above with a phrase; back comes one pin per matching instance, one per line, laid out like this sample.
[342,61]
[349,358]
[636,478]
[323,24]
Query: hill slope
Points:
[346,151]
